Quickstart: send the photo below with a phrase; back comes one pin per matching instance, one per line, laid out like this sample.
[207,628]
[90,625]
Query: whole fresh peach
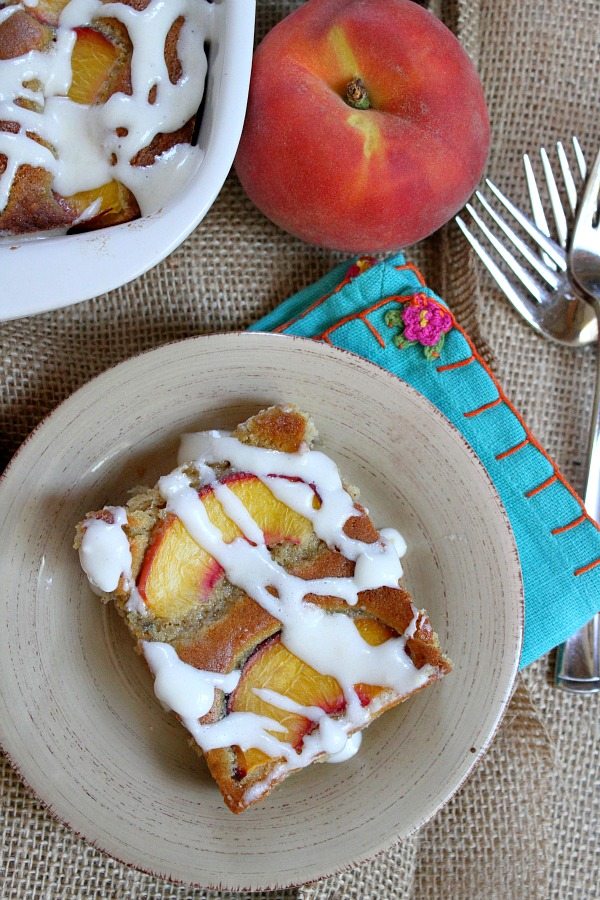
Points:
[366,127]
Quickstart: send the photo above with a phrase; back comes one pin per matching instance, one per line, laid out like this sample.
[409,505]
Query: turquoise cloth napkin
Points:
[385,313]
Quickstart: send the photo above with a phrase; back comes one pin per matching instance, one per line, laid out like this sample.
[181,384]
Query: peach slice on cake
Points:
[114,203]
[177,573]
[100,62]
[275,668]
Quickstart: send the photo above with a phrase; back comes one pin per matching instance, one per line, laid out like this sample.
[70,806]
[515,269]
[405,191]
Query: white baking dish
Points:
[43,273]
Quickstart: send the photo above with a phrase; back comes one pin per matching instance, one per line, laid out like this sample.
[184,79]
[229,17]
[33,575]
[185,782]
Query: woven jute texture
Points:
[525,824]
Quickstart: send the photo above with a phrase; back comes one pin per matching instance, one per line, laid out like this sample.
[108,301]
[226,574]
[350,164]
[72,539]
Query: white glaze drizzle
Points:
[105,556]
[336,741]
[7,12]
[188,691]
[135,602]
[84,137]
[378,565]
[329,642]
[350,749]
[104,550]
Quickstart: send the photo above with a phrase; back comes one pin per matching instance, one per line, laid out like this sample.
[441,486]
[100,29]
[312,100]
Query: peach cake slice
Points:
[267,605]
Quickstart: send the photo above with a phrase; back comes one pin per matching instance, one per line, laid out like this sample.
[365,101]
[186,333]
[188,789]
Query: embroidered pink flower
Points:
[422,320]
[425,321]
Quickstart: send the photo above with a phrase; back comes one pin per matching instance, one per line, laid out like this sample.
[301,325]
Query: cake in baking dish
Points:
[98,104]
[266,603]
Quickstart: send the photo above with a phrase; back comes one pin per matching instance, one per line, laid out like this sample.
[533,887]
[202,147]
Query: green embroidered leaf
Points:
[401,342]
[393,318]
[434,352]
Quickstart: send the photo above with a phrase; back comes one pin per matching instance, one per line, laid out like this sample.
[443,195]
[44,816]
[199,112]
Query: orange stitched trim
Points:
[397,298]
[573,524]
[532,440]
[587,568]
[456,365]
[316,303]
[373,330]
[512,450]
[541,486]
[480,409]
[410,267]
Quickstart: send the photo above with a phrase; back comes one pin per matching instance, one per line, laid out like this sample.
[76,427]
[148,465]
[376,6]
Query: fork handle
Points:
[578,659]
[592,485]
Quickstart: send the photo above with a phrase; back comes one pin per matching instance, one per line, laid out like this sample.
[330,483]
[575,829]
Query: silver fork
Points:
[578,659]
[553,305]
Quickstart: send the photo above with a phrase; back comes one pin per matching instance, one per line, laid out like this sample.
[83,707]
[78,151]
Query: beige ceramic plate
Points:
[77,712]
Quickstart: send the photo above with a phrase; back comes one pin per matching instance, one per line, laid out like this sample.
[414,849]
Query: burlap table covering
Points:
[525,825]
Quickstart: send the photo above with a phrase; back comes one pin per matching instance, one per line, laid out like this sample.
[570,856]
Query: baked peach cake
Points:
[98,102]
[267,605]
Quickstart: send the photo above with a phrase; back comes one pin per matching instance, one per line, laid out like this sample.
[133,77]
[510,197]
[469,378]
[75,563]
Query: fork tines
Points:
[539,268]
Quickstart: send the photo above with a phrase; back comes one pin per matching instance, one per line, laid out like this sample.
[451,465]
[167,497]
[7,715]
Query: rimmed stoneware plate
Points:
[77,712]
